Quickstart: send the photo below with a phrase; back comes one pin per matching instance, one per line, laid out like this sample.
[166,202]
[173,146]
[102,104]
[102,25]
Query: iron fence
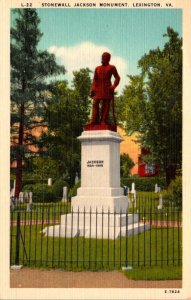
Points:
[56,236]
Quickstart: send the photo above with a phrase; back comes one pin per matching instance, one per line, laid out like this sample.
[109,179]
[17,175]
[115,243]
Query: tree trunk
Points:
[19,171]
[170,173]
[19,160]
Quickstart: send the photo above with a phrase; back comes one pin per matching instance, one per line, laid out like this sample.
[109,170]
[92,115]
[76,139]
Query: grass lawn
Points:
[155,254]
[146,205]
[40,211]
[151,254]
[155,273]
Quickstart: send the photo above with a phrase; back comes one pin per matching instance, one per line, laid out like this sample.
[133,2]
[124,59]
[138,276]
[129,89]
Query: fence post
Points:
[17,240]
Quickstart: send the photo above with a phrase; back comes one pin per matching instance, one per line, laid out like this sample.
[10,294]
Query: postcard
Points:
[95,149]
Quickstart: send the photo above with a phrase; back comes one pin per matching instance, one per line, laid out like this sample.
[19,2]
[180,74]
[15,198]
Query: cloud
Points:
[88,55]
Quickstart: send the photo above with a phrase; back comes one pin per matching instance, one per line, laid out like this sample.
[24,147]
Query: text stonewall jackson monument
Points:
[99,208]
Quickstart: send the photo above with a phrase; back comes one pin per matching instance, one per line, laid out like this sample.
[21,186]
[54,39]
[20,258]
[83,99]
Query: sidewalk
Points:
[35,278]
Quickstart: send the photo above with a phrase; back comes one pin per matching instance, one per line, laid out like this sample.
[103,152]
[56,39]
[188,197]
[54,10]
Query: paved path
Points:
[35,278]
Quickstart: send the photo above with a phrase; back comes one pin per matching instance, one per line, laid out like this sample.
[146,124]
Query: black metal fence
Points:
[56,236]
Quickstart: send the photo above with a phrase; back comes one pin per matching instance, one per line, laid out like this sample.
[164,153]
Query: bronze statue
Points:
[102,91]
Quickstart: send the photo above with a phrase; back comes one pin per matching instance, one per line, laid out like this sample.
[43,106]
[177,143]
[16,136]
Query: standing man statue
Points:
[103,90]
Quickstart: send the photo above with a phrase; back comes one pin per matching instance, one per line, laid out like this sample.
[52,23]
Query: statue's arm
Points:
[117,78]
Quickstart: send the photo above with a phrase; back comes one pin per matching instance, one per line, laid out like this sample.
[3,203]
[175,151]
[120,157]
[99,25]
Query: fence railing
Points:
[56,236]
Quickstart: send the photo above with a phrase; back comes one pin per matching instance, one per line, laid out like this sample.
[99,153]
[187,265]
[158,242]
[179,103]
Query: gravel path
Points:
[35,278]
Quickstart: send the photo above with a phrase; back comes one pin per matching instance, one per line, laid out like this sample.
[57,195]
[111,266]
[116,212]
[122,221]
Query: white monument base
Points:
[99,210]
[97,225]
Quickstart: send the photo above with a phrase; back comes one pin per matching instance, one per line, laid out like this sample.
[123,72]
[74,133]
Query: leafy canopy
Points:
[153,103]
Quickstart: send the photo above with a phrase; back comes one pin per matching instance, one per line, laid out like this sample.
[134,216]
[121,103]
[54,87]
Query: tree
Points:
[159,105]
[66,113]
[131,105]
[29,69]
[126,164]
[45,167]
[81,92]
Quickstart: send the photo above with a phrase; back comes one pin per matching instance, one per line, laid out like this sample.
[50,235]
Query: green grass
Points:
[146,206]
[153,248]
[155,273]
[51,211]
[147,203]
[153,255]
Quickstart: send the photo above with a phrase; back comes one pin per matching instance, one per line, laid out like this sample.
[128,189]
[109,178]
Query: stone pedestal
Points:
[100,209]
[100,173]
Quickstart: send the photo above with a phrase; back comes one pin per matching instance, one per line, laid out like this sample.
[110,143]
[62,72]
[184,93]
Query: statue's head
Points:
[105,58]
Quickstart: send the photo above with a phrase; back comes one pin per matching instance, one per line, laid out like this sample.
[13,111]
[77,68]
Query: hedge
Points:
[173,195]
[58,187]
[42,193]
[27,179]
[34,181]
[144,184]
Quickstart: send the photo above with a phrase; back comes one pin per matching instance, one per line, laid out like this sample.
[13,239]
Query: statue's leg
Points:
[95,112]
[105,111]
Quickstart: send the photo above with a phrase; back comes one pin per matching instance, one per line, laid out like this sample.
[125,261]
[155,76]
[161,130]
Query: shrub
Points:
[41,192]
[31,181]
[173,195]
[58,187]
[73,190]
[144,184]
[126,163]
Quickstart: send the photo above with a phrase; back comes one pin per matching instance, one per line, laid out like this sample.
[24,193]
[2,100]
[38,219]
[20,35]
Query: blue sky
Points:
[79,36]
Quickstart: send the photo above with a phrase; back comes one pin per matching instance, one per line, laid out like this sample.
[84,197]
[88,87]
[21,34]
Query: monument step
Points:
[96,232]
[101,219]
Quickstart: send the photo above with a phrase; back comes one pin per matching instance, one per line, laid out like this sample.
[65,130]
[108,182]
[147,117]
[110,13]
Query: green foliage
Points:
[33,178]
[30,69]
[173,195]
[45,167]
[132,105]
[41,193]
[144,183]
[153,104]
[44,193]
[73,191]
[28,179]
[81,92]
[58,187]
[126,164]
[31,181]
[66,113]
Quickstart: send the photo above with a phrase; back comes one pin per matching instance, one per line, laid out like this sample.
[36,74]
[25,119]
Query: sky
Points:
[78,36]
